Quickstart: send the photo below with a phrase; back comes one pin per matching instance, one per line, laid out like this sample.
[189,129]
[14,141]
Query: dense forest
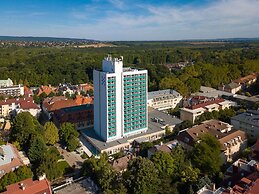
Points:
[215,63]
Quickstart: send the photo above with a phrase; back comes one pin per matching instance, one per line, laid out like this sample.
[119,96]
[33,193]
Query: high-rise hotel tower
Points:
[120,100]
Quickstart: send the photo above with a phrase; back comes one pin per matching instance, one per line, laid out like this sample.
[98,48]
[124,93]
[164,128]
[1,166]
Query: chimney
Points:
[213,187]
[42,177]
[22,186]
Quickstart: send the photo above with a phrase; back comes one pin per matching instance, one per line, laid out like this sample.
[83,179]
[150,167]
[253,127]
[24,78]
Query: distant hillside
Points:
[44,39]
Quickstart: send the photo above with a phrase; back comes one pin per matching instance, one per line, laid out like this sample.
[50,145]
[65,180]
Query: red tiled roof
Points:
[15,100]
[28,105]
[202,105]
[30,187]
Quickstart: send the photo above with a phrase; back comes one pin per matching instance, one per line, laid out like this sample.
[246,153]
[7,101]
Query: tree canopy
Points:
[142,176]
[68,134]
[206,155]
[51,133]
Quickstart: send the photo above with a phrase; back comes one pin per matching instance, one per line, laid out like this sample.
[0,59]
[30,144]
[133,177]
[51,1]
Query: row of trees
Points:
[175,172]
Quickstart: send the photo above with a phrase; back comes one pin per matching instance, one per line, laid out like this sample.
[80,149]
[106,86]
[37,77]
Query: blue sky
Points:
[130,19]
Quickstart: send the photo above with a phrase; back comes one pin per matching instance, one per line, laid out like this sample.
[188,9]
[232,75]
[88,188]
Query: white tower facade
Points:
[120,100]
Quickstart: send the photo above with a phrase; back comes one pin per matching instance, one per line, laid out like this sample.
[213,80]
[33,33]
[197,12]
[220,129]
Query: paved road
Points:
[72,158]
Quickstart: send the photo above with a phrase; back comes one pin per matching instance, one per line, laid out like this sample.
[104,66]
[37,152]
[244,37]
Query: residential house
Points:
[29,106]
[85,87]
[46,89]
[231,88]
[10,107]
[9,159]
[68,89]
[163,147]
[30,186]
[247,122]
[232,141]
[164,99]
[121,164]
[200,104]
[247,80]
[242,177]
[27,91]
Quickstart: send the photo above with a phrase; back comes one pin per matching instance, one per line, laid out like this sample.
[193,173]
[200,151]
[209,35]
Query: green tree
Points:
[206,155]
[51,133]
[100,171]
[142,176]
[49,165]
[25,125]
[37,149]
[173,83]
[23,172]
[68,134]
[163,162]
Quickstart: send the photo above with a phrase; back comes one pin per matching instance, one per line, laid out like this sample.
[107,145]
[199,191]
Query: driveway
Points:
[72,158]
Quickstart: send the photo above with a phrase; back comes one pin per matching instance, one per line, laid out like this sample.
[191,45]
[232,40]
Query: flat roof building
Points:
[120,100]
[6,83]
[164,99]
[247,122]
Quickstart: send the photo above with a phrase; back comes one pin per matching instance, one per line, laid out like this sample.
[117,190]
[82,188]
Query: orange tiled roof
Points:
[59,104]
[56,103]
[46,89]
[83,100]
[246,79]
[30,187]
[86,87]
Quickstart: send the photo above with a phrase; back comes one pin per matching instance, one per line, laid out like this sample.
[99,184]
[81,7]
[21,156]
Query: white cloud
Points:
[120,4]
[218,19]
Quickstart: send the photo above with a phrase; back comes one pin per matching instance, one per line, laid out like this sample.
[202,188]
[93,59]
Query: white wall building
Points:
[6,83]
[17,90]
[120,100]
[164,99]
[247,122]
